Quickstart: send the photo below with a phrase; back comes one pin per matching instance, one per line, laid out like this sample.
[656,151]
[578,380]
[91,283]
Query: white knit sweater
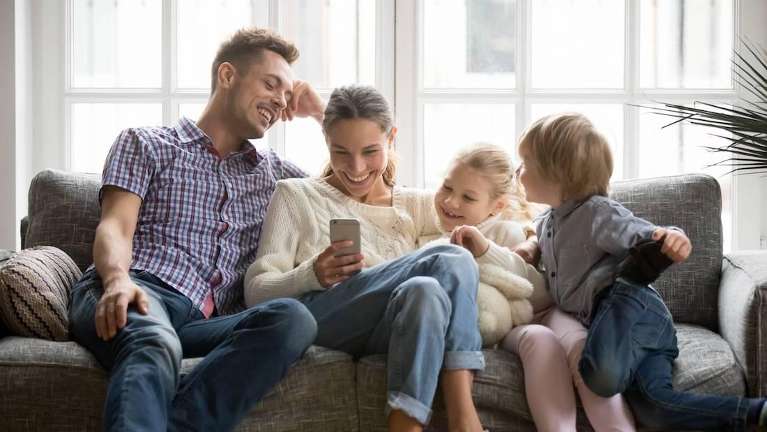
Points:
[297,229]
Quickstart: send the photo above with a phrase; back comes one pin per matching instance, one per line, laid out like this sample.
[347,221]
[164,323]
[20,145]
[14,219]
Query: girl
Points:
[478,203]
[418,308]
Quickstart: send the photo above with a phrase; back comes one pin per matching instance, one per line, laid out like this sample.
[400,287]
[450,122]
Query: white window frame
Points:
[411,98]
[48,128]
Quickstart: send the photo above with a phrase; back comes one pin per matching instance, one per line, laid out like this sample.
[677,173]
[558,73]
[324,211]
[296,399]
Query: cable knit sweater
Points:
[297,229]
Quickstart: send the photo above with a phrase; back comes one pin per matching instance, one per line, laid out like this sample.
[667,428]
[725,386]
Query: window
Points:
[466,71]
[484,70]
[120,77]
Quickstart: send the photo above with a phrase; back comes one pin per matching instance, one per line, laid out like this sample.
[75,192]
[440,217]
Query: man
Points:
[181,209]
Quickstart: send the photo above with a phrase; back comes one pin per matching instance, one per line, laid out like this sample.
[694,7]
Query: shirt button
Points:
[215,279]
[553,274]
[548,234]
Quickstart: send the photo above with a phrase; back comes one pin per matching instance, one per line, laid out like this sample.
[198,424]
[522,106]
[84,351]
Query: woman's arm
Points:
[275,272]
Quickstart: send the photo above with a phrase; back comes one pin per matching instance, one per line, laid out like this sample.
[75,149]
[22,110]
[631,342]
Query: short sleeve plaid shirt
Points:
[201,215]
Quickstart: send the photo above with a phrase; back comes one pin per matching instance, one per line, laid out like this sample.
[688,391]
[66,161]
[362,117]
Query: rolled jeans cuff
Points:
[408,405]
[473,360]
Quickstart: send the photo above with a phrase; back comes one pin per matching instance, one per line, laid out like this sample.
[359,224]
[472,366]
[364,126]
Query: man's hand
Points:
[112,308]
[529,251]
[305,102]
[471,238]
[676,245]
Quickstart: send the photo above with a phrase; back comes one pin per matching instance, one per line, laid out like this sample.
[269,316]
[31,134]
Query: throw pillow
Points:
[34,292]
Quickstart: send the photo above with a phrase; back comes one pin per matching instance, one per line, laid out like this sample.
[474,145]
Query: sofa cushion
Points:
[34,292]
[705,364]
[60,386]
[691,202]
[64,212]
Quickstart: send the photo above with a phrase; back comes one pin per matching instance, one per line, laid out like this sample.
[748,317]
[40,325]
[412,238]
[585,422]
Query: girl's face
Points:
[359,153]
[465,198]
[538,189]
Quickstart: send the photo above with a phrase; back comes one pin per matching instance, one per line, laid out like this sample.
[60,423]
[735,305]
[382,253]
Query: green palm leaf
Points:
[744,126]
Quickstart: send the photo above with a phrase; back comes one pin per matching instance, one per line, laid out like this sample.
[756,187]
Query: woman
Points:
[419,308]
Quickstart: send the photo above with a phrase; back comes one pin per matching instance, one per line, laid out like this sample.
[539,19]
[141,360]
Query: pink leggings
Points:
[550,350]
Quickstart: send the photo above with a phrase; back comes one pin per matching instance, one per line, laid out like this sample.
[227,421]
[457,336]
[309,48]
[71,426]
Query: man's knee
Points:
[288,322]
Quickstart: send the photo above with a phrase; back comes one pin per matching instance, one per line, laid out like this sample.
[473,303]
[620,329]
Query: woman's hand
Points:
[331,269]
[529,251]
[471,238]
[305,102]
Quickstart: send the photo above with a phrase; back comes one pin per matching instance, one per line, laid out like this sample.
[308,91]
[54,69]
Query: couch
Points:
[718,303]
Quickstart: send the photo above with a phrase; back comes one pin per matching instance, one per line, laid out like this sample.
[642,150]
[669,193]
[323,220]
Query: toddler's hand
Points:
[469,237]
[676,245]
[529,251]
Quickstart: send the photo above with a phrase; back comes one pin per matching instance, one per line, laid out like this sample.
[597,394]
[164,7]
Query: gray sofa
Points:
[718,303]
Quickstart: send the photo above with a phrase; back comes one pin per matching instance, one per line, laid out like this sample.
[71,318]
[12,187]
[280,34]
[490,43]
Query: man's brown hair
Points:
[248,45]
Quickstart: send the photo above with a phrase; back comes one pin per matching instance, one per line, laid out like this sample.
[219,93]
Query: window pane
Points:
[444,136]
[95,127]
[336,39]
[191,111]
[607,118]
[116,44]
[469,44]
[686,43]
[681,149]
[305,145]
[577,44]
[202,27]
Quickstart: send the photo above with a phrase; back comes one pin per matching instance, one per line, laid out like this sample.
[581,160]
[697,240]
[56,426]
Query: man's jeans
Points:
[419,309]
[245,355]
[631,347]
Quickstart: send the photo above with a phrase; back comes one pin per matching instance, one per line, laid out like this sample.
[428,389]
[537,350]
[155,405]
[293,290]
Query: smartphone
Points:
[346,229]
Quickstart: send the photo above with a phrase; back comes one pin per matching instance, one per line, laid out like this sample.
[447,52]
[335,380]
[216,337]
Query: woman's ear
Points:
[392,134]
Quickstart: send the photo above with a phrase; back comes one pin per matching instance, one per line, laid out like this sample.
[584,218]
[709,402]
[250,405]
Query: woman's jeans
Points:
[419,309]
[244,356]
[631,347]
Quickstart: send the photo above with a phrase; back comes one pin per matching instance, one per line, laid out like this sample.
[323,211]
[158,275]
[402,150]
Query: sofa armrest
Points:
[743,314]
[23,230]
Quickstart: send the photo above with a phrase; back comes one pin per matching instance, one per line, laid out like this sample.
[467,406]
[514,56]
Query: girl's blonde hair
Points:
[566,149]
[494,163]
[361,102]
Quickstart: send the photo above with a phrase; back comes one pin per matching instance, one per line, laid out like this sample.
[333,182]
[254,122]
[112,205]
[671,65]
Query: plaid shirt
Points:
[201,215]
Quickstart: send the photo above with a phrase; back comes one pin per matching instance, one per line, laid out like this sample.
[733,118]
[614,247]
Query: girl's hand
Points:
[676,245]
[305,102]
[331,269]
[529,251]
[471,238]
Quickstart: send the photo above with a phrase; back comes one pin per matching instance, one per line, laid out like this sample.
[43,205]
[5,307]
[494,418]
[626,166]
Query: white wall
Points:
[7,127]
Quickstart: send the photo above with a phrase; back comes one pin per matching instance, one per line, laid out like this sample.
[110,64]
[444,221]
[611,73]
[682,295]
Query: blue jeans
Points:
[419,309]
[244,356]
[631,347]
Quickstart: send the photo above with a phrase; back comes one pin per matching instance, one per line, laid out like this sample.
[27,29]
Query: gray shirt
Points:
[582,243]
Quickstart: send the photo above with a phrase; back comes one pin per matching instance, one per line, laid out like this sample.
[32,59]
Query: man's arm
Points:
[112,254]
[305,102]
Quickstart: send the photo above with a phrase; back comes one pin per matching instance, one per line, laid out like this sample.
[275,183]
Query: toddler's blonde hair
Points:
[567,150]
[494,163]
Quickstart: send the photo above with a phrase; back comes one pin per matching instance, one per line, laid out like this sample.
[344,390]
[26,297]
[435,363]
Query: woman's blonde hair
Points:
[361,102]
[494,164]
[567,150]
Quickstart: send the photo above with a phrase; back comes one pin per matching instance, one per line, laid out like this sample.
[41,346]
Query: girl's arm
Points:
[275,272]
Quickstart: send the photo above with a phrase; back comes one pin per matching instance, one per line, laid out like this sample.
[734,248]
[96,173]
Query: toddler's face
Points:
[465,198]
[537,189]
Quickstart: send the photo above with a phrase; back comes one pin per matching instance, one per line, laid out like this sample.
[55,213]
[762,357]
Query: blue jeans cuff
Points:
[408,405]
[473,360]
